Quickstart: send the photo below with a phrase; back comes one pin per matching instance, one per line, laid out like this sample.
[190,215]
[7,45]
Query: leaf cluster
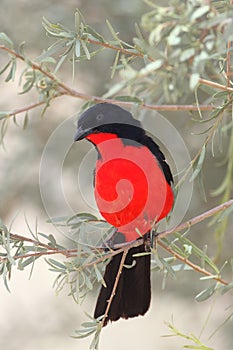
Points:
[193,341]
[20,252]
[83,266]
[189,38]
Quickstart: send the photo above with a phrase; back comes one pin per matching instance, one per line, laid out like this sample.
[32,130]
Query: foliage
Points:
[181,52]
[197,344]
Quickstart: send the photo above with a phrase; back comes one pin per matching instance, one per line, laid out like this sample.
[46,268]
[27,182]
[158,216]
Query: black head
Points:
[108,118]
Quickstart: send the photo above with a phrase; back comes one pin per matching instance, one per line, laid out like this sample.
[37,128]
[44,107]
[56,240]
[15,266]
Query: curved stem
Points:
[66,90]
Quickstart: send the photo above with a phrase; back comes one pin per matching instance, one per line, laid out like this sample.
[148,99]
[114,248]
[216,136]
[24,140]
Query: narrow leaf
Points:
[225,289]
[53,49]
[59,63]
[3,115]
[186,54]
[151,67]
[129,99]
[28,261]
[115,64]
[115,89]
[4,128]
[114,34]
[85,49]
[94,34]
[77,48]
[206,293]
[201,11]
[11,74]
[5,67]
[25,122]
[5,38]
[198,167]
[225,213]
[201,186]
[77,21]
[55,263]
[194,80]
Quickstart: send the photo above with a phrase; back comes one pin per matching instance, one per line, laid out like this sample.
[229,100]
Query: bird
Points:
[133,192]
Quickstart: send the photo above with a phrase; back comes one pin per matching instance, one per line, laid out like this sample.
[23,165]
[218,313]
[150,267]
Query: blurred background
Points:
[32,316]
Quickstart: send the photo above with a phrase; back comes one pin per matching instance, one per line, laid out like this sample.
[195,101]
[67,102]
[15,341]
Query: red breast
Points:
[130,188]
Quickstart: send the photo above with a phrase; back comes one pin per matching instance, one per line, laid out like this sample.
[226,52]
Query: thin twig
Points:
[50,250]
[119,49]
[168,108]
[66,90]
[125,247]
[215,85]
[31,106]
[21,238]
[115,285]
[75,93]
[66,252]
[192,265]
[118,248]
[197,219]
[24,109]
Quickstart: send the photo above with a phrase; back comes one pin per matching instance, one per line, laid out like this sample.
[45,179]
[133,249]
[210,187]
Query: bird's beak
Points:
[81,133]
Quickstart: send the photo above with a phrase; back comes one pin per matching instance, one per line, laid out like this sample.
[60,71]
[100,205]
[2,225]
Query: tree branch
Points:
[50,250]
[119,248]
[75,93]
[66,90]
[197,219]
[29,107]
[21,238]
[215,85]
[137,54]
[119,49]
[66,252]
[115,286]
[192,265]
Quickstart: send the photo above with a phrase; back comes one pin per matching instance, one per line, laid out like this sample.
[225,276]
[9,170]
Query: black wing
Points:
[154,148]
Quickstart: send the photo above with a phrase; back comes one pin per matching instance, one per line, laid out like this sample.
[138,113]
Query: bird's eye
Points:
[100,117]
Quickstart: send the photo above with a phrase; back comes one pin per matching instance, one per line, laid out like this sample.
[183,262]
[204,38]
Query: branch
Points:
[31,106]
[215,85]
[66,252]
[24,109]
[119,248]
[192,265]
[137,54]
[17,237]
[197,219]
[119,49]
[50,250]
[115,285]
[66,90]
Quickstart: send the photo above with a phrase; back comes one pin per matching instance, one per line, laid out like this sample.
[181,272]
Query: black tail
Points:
[133,293]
